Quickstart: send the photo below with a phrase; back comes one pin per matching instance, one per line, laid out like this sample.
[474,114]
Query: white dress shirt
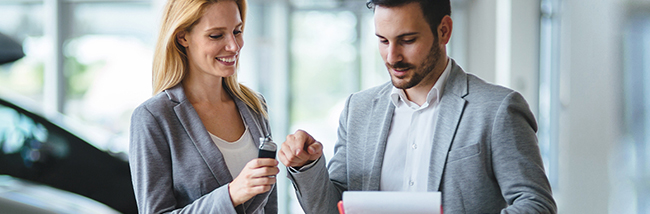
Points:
[410,140]
[237,154]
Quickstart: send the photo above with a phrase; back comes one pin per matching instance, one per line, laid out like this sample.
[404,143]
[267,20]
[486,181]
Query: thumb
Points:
[315,150]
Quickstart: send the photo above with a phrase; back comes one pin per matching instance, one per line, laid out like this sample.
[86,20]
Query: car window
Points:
[20,134]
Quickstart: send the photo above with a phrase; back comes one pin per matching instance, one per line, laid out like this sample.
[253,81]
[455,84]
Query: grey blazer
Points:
[177,168]
[485,157]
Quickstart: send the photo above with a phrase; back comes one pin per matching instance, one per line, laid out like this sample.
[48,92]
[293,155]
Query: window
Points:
[634,191]
[107,63]
[105,56]
[548,134]
[23,23]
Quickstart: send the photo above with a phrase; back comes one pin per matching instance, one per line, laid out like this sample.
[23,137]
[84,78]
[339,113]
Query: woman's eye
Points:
[215,36]
[237,32]
[383,41]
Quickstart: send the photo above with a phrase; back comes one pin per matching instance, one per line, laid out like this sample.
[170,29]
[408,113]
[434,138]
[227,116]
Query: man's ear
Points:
[180,37]
[444,30]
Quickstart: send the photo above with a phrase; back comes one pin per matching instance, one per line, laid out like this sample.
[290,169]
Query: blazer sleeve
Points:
[151,170]
[317,190]
[517,162]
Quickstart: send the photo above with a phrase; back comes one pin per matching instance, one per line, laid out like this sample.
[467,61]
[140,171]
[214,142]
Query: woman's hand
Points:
[258,176]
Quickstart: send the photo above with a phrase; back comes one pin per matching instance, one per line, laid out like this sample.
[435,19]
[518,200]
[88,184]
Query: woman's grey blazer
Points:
[484,159]
[175,166]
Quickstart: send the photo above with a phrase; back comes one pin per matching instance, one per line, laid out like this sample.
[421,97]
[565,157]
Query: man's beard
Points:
[420,72]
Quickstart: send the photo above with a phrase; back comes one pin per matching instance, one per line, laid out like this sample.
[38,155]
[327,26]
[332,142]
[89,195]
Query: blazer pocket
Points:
[464,152]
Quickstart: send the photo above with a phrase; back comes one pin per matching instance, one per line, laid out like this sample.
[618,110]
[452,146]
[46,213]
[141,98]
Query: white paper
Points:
[383,202]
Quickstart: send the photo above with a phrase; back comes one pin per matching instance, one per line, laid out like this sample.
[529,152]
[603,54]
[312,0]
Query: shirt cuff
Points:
[303,168]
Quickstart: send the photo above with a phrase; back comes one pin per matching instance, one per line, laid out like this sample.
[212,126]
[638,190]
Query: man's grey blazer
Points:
[175,165]
[485,157]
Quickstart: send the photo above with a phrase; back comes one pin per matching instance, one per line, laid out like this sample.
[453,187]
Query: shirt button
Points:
[411,183]
[414,146]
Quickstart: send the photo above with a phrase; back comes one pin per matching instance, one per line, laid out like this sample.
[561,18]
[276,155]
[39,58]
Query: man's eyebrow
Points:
[407,34]
[401,35]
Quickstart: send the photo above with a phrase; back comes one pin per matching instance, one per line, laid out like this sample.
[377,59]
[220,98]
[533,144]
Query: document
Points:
[384,202]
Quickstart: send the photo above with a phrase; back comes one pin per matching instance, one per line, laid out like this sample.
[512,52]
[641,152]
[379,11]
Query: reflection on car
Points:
[39,150]
[18,196]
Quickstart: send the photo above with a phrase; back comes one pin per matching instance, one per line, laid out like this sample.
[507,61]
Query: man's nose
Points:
[394,54]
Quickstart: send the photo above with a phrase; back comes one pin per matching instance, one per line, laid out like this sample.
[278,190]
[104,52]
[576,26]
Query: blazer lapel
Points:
[254,126]
[376,144]
[452,105]
[199,135]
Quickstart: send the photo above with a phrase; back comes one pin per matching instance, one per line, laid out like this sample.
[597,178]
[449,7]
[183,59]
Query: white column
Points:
[54,82]
[503,42]
[590,92]
[481,37]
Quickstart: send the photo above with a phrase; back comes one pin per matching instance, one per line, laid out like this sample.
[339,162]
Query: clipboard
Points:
[385,202]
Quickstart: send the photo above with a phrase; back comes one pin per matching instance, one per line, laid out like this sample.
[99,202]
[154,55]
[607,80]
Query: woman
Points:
[201,129]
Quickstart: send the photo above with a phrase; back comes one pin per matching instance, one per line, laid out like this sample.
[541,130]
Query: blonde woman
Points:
[193,145]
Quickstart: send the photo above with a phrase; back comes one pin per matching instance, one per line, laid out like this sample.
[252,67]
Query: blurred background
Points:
[582,66]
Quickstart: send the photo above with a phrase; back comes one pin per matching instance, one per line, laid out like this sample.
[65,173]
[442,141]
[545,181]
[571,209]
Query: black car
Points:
[18,196]
[39,150]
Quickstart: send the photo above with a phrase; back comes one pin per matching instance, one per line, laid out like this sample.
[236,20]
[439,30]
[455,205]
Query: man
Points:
[435,128]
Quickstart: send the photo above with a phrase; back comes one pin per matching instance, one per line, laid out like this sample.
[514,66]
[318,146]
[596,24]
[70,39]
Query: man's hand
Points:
[300,149]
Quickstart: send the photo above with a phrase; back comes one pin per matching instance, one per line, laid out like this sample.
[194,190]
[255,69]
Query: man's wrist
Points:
[305,167]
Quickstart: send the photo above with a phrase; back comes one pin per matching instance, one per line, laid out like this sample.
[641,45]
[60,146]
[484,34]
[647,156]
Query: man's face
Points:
[407,45]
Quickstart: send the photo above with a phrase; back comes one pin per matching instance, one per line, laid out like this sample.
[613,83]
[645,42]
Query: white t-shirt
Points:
[237,154]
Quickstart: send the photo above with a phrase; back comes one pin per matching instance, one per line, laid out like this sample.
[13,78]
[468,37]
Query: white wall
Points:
[590,84]
[501,49]
[590,118]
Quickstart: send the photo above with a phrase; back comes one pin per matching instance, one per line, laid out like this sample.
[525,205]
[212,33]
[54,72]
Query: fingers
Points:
[299,148]
[258,176]
[304,137]
[315,150]
[291,157]
[261,162]
[261,167]
[265,176]
[241,190]
[262,181]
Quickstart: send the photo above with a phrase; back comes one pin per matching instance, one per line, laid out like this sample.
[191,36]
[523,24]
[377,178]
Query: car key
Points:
[267,148]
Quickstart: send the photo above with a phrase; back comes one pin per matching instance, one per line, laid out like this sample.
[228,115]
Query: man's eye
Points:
[215,36]
[409,41]
[383,41]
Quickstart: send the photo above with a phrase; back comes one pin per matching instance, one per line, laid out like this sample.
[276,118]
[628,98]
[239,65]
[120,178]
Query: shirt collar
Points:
[398,95]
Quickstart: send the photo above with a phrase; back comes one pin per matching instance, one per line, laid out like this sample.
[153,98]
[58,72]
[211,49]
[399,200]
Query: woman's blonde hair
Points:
[170,61]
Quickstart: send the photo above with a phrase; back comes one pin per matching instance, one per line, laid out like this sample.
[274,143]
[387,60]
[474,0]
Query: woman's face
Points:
[213,44]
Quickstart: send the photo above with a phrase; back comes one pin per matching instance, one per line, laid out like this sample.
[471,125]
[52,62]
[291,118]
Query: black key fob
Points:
[267,148]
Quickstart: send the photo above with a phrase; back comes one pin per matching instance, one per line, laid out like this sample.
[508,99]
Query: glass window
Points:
[549,102]
[632,192]
[324,71]
[108,58]
[333,53]
[23,22]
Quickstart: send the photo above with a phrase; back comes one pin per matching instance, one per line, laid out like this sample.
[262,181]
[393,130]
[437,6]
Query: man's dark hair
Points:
[433,10]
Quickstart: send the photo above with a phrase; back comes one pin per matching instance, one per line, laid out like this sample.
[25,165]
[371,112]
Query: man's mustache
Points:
[400,66]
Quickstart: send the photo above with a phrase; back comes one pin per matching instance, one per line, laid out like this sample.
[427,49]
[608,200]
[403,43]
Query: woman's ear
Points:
[180,37]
